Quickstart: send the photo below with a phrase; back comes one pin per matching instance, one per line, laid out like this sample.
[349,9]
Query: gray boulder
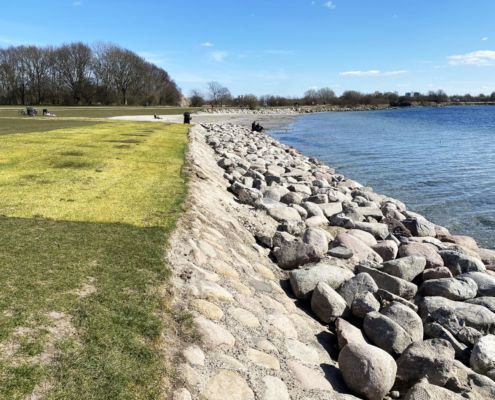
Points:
[361,250]
[340,252]
[395,285]
[436,273]
[427,391]
[385,298]
[426,250]
[246,195]
[348,333]
[406,268]
[420,226]
[362,282]
[292,254]
[378,230]
[485,282]
[488,302]
[312,209]
[330,209]
[387,249]
[432,359]
[364,303]
[303,281]
[317,238]
[483,355]
[282,214]
[327,304]
[457,289]
[406,318]
[434,330]
[291,198]
[459,263]
[367,370]
[386,333]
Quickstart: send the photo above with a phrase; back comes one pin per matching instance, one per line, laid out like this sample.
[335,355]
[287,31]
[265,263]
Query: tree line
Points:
[77,74]
[218,95]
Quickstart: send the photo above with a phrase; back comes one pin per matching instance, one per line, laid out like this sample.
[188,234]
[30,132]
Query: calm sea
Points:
[439,161]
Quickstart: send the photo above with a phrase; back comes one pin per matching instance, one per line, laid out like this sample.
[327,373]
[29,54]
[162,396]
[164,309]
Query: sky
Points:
[282,47]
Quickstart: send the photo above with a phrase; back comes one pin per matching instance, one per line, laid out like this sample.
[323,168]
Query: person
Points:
[187,118]
[156,116]
[256,127]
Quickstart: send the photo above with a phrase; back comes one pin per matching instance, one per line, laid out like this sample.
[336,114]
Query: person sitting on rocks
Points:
[256,127]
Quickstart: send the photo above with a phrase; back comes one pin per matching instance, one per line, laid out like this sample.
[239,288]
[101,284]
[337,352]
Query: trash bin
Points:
[187,118]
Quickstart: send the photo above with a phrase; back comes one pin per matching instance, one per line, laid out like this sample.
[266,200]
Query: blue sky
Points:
[281,46]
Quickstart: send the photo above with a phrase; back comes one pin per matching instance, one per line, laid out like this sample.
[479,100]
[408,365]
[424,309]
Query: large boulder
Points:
[378,230]
[395,285]
[434,330]
[488,302]
[436,273]
[304,281]
[312,209]
[317,238]
[425,250]
[457,289]
[292,254]
[347,333]
[485,282]
[364,236]
[406,318]
[367,370]
[330,209]
[472,315]
[360,283]
[386,333]
[246,195]
[419,226]
[426,391]
[406,268]
[327,304]
[483,355]
[432,359]
[387,249]
[459,263]
[361,250]
[364,303]
[282,214]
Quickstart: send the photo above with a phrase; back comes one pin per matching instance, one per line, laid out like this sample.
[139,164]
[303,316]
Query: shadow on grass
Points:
[113,354]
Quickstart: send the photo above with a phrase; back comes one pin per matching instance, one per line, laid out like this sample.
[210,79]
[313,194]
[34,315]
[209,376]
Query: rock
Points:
[406,268]
[378,230]
[459,263]
[302,212]
[293,254]
[361,251]
[292,227]
[303,281]
[485,282]
[281,238]
[318,199]
[386,298]
[182,394]
[432,359]
[326,303]
[275,389]
[365,237]
[317,221]
[367,370]
[291,198]
[194,355]
[434,330]
[386,333]
[364,303]
[395,285]
[275,192]
[436,273]
[425,250]
[457,289]
[209,310]
[483,355]
[282,214]
[427,391]
[263,359]
[340,252]
[306,353]
[244,317]
[308,378]
[312,209]
[419,226]
[406,318]
[387,249]
[227,385]
[488,302]
[473,315]
[488,258]
[348,333]
[317,238]
[472,385]
[330,209]
[213,335]
[362,282]
[465,241]
[246,195]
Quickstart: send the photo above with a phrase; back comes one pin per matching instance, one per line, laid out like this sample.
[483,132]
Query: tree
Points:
[218,94]
[196,99]
[247,100]
[325,95]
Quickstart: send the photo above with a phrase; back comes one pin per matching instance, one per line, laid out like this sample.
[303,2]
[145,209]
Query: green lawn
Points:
[85,212]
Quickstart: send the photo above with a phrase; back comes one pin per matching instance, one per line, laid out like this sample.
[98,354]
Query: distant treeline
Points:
[76,74]
[218,95]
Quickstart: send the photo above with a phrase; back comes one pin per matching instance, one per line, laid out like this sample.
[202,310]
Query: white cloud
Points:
[372,73]
[329,4]
[207,44]
[484,39]
[218,56]
[478,58]
[77,3]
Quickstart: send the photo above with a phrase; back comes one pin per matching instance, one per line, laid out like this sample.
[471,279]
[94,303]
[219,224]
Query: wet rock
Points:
[362,282]
[436,273]
[387,249]
[425,250]
[367,370]
[457,289]
[397,286]
[432,359]
[303,281]
[326,303]
[459,263]
[386,333]
[483,355]
[364,303]
[406,268]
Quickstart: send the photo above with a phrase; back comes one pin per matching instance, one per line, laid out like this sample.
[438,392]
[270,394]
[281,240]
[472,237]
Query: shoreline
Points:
[273,252]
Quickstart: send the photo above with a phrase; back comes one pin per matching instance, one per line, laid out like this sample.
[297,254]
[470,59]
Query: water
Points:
[439,161]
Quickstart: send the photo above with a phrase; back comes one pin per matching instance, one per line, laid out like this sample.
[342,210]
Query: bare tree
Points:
[196,99]
[218,94]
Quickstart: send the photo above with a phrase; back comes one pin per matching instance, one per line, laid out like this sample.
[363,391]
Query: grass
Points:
[83,227]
